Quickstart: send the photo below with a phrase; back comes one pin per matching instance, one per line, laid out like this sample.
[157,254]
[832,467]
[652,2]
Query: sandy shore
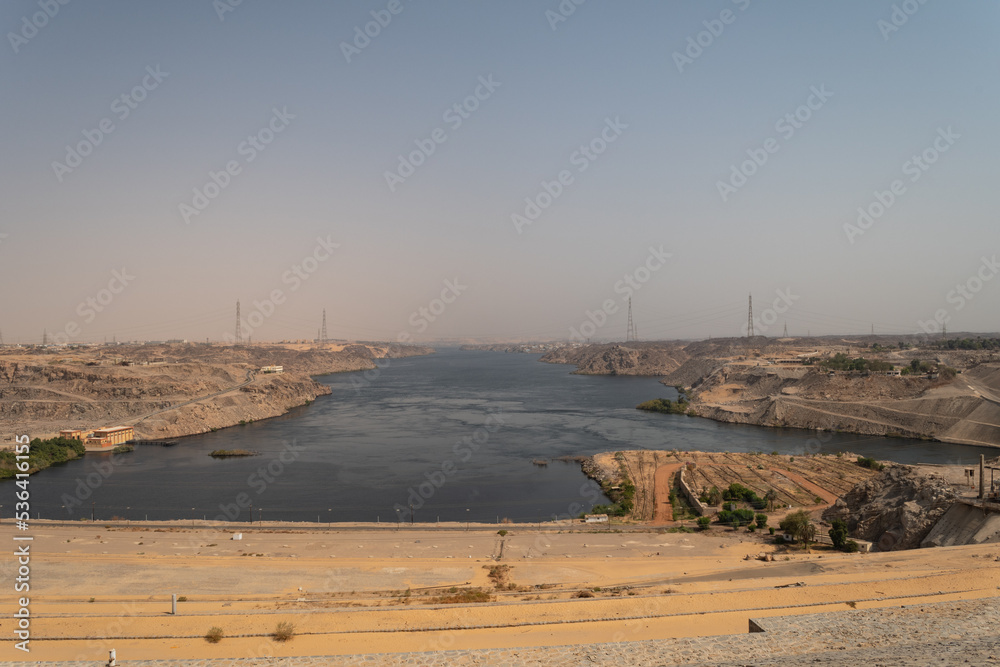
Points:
[345,590]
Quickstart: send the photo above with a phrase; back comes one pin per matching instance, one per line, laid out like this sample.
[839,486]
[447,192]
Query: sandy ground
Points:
[345,588]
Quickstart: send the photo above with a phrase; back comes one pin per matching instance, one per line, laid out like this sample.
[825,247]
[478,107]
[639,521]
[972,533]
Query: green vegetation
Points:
[214,635]
[704,522]
[624,495]
[223,453]
[867,462]
[968,344]
[711,497]
[761,520]
[839,537]
[841,362]
[123,449]
[739,492]
[735,518]
[664,405]
[502,532]
[41,454]
[798,525]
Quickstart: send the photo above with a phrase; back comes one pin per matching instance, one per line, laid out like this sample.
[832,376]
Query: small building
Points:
[106,439]
[894,373]
[272,369]
[595,518]
[74,434]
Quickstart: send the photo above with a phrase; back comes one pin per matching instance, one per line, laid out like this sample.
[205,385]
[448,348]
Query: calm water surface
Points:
[453,433]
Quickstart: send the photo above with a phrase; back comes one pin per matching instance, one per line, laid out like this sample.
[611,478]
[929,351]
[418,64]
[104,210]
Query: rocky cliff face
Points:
[620,359]
[895,509]
[191,389]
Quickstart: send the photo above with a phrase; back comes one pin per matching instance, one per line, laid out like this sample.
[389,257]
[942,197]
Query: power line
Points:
[239,326]
[630,334]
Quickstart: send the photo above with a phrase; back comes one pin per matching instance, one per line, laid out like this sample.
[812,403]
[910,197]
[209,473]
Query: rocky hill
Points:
[171,390]
[621,359]
[896,509]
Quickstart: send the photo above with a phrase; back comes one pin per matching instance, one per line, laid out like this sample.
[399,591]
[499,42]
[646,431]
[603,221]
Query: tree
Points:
[798,525]
[839,534]
[770,497]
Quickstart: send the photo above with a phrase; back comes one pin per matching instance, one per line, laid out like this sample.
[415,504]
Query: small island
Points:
[664,405]
[226,453]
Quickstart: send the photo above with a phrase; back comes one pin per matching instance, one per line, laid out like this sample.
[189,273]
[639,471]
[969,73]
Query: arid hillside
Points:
[167,390]
[786,382]
[621,359]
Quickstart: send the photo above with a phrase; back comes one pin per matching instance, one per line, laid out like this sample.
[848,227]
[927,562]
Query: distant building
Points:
[595,518]
[272,369]
[74,434]
[106,439]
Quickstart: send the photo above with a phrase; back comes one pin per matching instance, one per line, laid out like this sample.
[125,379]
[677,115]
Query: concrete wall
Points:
[692,498]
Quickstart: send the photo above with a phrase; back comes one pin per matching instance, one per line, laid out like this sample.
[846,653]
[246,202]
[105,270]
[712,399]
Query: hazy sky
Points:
[705,150]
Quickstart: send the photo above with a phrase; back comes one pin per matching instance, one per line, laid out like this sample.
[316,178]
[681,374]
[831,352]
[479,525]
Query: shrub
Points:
[502,532]
[703,522]
[283,632]
[771,530]
[851,547]
[182,598]
[214,635]
[868,462]
[761,520]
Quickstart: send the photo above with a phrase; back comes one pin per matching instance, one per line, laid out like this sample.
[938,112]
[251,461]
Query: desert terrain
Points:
[168,390]
[786,382]
[364,589]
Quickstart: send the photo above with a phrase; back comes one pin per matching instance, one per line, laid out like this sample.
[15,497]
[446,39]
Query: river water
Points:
[453,434]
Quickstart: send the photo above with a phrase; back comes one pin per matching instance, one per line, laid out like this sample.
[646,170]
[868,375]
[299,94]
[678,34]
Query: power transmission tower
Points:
[45,336]
[785,335]
[630,334]
[322,332]
[239,326]
[750,318]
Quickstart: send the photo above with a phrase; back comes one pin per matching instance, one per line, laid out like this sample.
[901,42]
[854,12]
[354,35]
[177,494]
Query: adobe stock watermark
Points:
[248,149]
[122,107]
[765,319]
[698,43]
[381,18]
[31,25]
[454,116]
[420,320]
[91,482]
[295,276]
[899,17]
[581,158]
[786,126]
[89,308]
[915,168]
[562,12]
[223,7]
[463,450]
[961,295]
[626,287]
[259,480]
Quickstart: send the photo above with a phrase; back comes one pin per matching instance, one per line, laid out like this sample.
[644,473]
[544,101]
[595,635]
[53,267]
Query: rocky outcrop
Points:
[895,509]
[172,390]
[620,359]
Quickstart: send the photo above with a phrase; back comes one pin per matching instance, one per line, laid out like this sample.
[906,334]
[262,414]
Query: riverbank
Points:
[782,383]
[169,391]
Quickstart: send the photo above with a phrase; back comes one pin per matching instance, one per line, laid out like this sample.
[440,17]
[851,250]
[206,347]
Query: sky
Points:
[497,170]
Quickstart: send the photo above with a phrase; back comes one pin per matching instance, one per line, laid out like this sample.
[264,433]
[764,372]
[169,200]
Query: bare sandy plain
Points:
[352,589]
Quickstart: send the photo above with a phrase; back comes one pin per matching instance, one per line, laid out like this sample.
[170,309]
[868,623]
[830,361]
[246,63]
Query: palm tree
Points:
[770,497]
